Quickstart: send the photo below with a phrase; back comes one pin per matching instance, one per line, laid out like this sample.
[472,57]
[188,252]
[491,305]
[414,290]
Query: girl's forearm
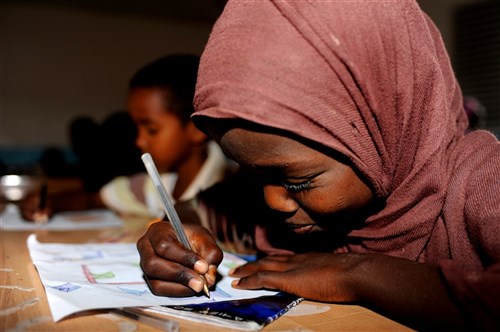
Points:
[410,292]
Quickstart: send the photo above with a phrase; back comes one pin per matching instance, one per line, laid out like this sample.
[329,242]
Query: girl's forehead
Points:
[263,148]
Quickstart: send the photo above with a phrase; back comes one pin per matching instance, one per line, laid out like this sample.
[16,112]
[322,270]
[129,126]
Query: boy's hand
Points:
[30,208]
[172,270]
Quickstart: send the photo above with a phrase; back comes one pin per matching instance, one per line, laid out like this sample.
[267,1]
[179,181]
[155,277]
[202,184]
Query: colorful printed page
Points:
[80,277]
[11,220]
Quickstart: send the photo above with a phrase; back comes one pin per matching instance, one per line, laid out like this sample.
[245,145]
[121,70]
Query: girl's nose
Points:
[277,198]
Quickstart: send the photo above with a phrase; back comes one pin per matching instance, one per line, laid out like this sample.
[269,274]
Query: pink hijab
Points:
[369,79]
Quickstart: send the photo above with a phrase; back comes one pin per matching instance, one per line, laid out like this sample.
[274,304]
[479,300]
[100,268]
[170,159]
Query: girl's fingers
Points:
[166,262]
[271,263]
[172,289]
[262,280]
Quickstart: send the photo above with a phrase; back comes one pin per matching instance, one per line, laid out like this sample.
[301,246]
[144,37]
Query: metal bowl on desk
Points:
[15,187]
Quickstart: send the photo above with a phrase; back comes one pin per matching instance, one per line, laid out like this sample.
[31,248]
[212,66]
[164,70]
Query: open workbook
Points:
[75,275]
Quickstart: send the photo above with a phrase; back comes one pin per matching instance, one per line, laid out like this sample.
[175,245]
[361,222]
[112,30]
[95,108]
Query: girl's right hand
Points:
[172,270]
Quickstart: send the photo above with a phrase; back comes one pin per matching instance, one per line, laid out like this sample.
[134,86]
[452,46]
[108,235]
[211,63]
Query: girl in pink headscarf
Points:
[350,116]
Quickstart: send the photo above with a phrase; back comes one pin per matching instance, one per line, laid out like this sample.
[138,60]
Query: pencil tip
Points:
[206,291]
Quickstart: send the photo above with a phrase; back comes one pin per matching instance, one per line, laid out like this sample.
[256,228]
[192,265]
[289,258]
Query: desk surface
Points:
[24,305]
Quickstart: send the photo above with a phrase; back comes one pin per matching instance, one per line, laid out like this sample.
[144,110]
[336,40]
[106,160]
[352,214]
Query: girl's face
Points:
[160,132]
[312,190]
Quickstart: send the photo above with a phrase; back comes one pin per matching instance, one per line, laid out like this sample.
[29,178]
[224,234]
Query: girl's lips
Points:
[301,229]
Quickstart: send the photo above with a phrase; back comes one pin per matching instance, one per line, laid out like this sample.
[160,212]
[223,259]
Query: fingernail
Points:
[231,272]
[209,278]
[235,282]
[200,267]
[212,268]
[212,272]
[196,285]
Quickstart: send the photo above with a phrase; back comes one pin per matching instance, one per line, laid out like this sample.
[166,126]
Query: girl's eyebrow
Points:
[279,164]
[280,172]
[271,167]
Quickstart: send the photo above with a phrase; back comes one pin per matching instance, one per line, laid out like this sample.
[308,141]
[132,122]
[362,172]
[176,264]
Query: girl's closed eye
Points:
[296,187]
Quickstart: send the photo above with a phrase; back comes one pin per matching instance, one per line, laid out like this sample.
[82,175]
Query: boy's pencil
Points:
[40,216]
[169,207]
[43,197]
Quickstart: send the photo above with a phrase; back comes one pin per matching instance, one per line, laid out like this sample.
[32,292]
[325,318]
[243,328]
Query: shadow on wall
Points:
[98,153]
[104,151]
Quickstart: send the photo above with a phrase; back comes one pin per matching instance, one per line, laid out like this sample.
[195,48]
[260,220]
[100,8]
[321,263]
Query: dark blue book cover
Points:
[248,314]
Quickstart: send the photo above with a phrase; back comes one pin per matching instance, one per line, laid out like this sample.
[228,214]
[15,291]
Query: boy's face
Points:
[312,190]
[160,132]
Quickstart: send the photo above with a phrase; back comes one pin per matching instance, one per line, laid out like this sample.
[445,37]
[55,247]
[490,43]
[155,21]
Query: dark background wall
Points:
[60,59]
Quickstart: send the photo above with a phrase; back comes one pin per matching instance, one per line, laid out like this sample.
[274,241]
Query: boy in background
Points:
[160,103]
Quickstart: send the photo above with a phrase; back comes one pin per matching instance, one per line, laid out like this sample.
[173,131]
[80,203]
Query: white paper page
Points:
[80,277]
[11,220]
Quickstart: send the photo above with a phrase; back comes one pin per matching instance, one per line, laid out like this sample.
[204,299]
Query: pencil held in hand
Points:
[169,207]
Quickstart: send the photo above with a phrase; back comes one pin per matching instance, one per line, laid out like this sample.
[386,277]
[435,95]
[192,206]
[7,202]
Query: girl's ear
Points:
[195,135]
